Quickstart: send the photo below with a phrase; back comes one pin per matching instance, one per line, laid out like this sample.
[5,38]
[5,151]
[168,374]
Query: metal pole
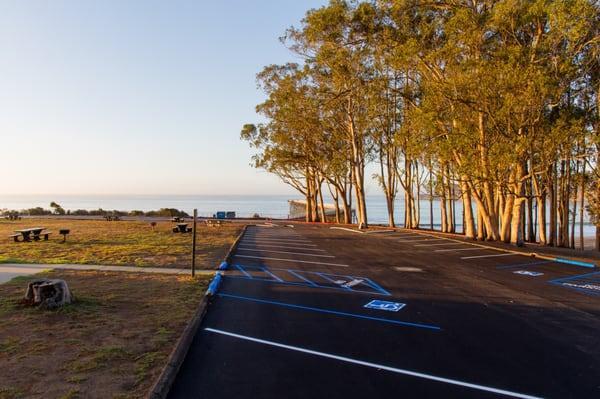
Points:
[194,244]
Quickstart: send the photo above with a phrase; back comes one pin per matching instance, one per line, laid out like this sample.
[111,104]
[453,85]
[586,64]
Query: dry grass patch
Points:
[112,342]
[116,243]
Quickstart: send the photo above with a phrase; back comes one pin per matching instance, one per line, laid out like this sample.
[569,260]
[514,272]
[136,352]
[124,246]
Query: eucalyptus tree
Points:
[334,47]
[287,143]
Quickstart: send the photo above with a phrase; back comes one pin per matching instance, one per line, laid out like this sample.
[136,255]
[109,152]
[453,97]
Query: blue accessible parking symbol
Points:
[385,305]
[528,273]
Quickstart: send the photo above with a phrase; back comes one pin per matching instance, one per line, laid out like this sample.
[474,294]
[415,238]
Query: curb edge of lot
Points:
[165,380]
[227,257]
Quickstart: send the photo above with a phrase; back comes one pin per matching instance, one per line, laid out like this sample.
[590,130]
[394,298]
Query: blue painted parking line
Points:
[588,283]
[293,273]
[264,269]
[281,276]
[329,311]
[517,265]
[240,268]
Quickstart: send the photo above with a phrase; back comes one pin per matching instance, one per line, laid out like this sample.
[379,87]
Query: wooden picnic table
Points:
[35,231]
[182,228]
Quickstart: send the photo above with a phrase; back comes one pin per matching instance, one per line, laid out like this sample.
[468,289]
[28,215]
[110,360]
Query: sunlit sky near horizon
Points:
[145,97]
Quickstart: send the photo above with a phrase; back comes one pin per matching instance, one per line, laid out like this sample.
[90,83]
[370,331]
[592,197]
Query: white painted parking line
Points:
[283,246]
[285,252]
[280,242]
[443,243]
[376,366]
[291,260]
[426,239]
[486,256]
[274,235]
[409,235]
[277,239]
[459,249]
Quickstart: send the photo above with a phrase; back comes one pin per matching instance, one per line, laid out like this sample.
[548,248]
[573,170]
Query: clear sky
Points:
[145,97]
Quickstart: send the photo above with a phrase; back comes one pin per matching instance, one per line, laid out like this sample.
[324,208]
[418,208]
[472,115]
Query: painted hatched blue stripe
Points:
[328,311]
[307,285]
[264,269]
[575,277]
[377,286]
[240,268]
[302,278]
[301,274]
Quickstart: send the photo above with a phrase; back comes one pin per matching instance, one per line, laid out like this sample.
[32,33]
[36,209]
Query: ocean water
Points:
[275,206]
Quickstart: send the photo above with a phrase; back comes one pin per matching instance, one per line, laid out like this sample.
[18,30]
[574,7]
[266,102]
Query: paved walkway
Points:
[11,270]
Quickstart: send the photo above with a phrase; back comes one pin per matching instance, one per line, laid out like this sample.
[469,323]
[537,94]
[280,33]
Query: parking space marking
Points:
[284,252]
[487,256]
[365,285]
[542,262]
[458,249]
[301,244]
[264,269]
[284,246]
[275,236]
[376,366]
[443,243]
[423,240]
[588,283]
[293,273]
[277,239]
[329,311]
[292,260]
[243,271]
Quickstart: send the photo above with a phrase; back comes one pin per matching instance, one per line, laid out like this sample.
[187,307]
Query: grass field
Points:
[116,243]
[112,342]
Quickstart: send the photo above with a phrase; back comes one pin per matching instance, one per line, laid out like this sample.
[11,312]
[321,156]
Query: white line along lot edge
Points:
[487,256]
[376,366]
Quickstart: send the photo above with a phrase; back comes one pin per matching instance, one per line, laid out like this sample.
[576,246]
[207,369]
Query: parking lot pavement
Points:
[314,312]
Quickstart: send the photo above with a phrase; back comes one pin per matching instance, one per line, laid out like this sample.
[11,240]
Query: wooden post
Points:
[194,243]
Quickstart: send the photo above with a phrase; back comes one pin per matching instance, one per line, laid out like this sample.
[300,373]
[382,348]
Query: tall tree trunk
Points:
[552,197]
[308,197]
[581,208]
[321,203]
[430,196]
[469,222]
[540,198]
[516,236]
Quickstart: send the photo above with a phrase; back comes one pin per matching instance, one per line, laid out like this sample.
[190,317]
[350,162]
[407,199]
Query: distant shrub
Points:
[80,212]
[38,211]
[97,212]
[256,216]
[136,213]
[167,212]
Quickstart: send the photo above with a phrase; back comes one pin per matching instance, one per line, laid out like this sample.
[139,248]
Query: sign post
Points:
[194,244]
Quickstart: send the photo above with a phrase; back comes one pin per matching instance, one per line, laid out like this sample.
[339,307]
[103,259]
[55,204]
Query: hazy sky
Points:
[135,96]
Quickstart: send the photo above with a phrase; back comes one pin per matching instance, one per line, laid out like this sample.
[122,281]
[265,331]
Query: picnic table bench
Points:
[36,232]
[182,228]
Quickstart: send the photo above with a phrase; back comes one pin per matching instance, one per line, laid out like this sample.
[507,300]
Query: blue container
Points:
[221,215]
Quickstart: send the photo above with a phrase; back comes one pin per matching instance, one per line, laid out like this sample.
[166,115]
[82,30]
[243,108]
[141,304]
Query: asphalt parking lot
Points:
[311,311]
